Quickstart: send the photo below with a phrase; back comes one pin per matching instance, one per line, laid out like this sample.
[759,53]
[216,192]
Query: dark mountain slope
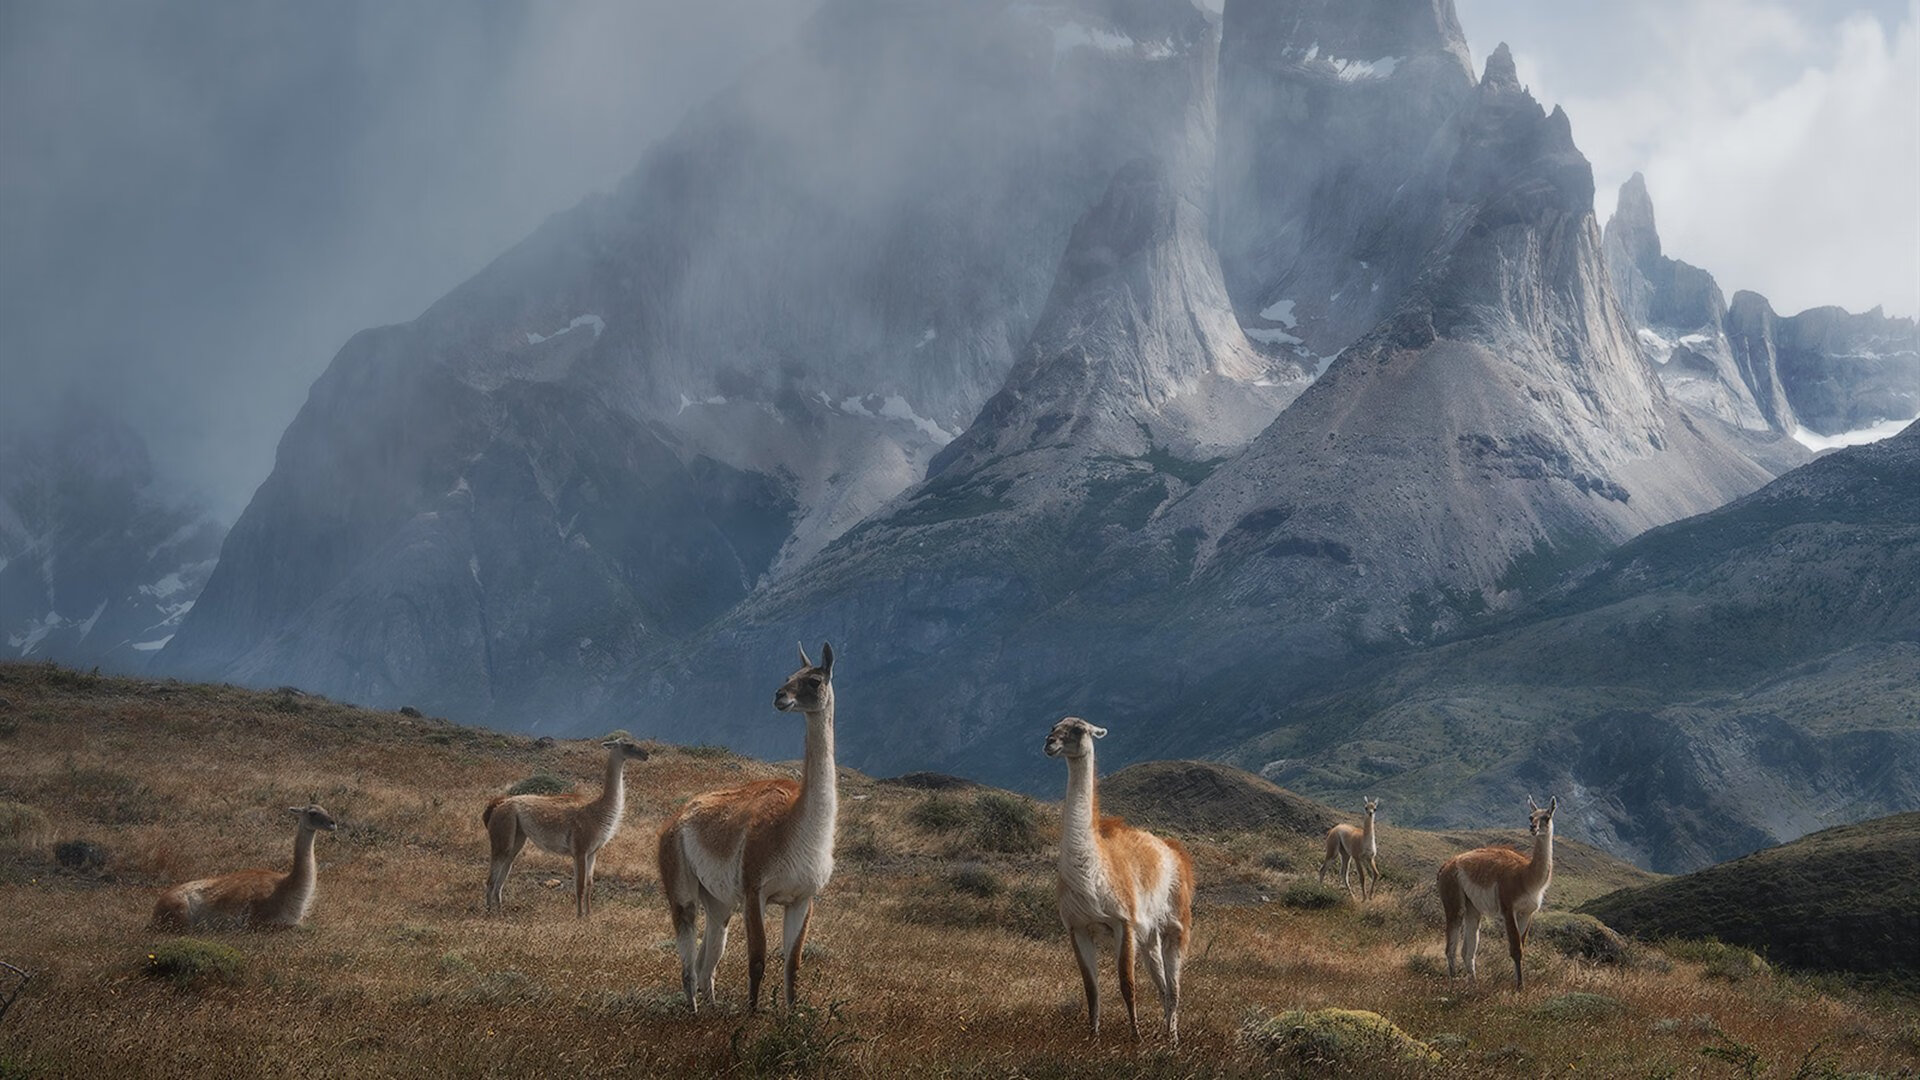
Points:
[1843,899]
[1718,684]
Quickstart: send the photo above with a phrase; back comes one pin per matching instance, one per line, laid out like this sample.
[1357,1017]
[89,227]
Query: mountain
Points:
[1106,357]
[1717,685]
[1081,549]
[1825,370]
[1842,899]
[684,388]
[98,565]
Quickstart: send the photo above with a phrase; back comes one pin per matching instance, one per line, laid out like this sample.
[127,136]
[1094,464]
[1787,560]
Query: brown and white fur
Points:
[1121,883]
[1354,847]
[768,842]
[256,898]
[1491,880]
[562,824]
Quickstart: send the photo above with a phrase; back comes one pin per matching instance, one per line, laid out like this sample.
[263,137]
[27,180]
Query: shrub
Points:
[540,784]
[1278,861]
[1348,1040]
[1309,895]
[1731,963]
[1426,964]
[973,879]
[1005,823]
[23,827]
[1581,937]
[940,814]
[187,961]
[1578,1005]
[1033,911]
[805,1041]
[706,750]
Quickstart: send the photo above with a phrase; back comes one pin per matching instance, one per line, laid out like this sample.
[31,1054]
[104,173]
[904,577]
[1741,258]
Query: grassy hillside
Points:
[934,952]
[1842,899]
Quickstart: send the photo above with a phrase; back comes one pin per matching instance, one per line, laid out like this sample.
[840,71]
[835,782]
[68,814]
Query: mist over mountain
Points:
[1107,356]
[99,564]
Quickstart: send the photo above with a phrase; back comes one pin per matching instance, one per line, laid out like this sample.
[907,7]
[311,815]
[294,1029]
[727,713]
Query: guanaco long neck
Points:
[301,879]
[1540,867]
[819,801]
[1079,813]
[613,793]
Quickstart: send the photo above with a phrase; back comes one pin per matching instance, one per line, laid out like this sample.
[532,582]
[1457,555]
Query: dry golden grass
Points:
[917,965]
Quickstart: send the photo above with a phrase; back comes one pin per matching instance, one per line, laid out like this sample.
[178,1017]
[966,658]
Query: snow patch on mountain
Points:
[598,324]
[1873,433]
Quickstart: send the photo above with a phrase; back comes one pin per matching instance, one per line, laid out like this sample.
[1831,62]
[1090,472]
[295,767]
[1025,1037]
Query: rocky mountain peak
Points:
[1341,32]
[1632,222]
[1500,73]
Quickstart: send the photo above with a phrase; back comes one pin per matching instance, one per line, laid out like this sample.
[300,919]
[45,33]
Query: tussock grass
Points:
[399,971]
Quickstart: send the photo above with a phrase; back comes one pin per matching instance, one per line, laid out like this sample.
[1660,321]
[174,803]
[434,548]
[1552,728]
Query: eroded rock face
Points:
[1824,369]
[1069,554]
[1840,372]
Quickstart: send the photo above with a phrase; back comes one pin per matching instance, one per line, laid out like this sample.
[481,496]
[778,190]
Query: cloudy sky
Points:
[200,202]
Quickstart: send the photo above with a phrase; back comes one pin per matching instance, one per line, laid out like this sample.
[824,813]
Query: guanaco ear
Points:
[296,809]
[1096,732]
[826,659]
[1553,803]
[1531,805]
[804,662]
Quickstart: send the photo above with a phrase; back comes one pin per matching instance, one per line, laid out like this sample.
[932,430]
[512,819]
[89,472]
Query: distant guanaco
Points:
[567,824]
[258,898]
[1498,879]
[1354,847]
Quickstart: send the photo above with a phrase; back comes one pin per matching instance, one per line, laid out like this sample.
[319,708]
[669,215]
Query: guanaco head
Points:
[1539,818]
[811,688]
[1372,805]
[633,751]
[1073,737]
[315,818]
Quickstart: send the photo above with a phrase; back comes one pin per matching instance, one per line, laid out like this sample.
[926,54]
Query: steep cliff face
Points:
[1081,549]
[1825,371]
[97,565]
[1841,372]
[1502,409]
[1680,318]
[1328,113]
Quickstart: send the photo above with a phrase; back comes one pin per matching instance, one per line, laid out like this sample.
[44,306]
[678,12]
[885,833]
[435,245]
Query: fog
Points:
[200,204]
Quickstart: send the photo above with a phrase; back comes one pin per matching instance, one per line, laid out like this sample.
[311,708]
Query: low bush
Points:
[540,784]
[1580,937]
[1307,894]
[23,828]
[804,1041]
[1005,823]
[190,961]
[973,879]
[1719,960]
[1351,1041]
[1578,1005]
[940,814]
